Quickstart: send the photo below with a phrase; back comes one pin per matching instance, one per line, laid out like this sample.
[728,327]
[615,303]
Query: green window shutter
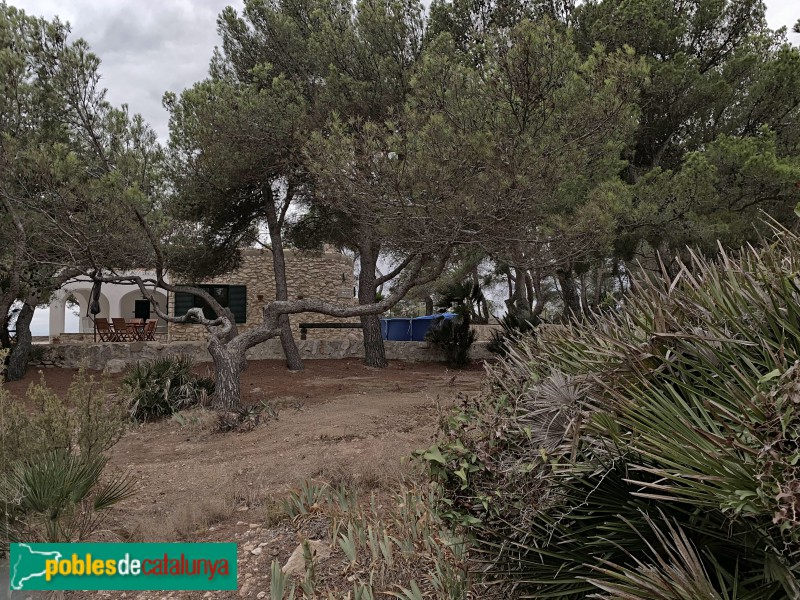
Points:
[183,302]
[237,302]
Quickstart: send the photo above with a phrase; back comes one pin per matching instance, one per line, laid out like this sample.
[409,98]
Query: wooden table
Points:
[137,330]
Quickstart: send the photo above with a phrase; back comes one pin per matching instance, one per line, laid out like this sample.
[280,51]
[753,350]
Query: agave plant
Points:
[649,453]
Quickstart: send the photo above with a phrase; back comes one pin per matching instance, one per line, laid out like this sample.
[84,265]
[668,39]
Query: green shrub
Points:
[52,482]
[454,336]
[160,387]
[58,496]
[100,420]
[652,453]
[515,324]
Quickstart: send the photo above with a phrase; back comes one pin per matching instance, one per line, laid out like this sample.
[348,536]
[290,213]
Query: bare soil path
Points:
[337,420]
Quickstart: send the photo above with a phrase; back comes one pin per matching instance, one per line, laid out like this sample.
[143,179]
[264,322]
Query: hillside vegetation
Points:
[650,453]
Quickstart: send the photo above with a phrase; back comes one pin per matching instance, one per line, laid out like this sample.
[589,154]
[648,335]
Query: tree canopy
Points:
[553,142]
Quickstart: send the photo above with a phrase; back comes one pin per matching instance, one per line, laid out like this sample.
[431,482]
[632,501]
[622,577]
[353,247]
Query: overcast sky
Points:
[148,47]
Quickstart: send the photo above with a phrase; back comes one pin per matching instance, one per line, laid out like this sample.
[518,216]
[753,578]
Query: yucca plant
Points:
[160,387]
[648,453]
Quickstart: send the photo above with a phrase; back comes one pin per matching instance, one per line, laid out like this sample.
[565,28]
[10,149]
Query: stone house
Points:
[245,290]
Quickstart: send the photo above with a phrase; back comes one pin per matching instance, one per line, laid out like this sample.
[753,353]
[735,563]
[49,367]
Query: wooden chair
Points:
[150,330]
[104,330]
[122,331]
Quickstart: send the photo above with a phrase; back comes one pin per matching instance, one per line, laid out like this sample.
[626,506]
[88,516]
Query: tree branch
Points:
[394,272]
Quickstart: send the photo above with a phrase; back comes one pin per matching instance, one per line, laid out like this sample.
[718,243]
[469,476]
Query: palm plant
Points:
[160,387]
[467,294]
[59,496]
[454,336]
[514,324]
[53,484]
[671,468]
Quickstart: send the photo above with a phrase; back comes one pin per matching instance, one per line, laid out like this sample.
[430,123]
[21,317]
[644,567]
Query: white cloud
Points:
[146,48]
[784,13]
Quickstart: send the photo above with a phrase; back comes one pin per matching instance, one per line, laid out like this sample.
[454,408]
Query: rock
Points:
[261,595]
[116,365]
[296,565]
[256,390]
[256,551]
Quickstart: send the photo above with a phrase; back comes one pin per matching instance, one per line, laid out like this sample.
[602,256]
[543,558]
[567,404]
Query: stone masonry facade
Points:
[325,275]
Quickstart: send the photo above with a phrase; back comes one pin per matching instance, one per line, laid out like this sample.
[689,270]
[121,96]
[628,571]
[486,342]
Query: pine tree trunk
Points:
[5,338]
[598,287]
[569,293]
[520,292]
[538,307]
[21,350]
[293,360]
[290,350]
[227,382]
[374,350]
[510,281]
[584,295]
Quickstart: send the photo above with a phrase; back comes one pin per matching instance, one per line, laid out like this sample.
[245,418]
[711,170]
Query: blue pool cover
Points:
[408,330]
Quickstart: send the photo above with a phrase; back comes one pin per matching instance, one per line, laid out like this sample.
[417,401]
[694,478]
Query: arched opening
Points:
[72,315]
[83,322]
[135,306]
[68,310]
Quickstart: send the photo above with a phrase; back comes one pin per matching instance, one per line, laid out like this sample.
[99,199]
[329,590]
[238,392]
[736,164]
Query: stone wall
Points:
[325,275]
[483,333]
[116,356]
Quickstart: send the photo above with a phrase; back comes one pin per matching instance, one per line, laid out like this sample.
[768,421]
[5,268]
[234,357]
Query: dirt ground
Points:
[337,420]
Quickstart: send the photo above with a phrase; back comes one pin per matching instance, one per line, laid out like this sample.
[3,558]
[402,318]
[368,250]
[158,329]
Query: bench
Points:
[304,327]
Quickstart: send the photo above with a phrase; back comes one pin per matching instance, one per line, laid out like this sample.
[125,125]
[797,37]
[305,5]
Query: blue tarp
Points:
[407,330]
[420,325]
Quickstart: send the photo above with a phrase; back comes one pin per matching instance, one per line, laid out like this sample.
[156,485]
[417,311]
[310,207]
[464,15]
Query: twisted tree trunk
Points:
[227,370]
[569,293]
[21,350]
[374,349]
[275,225]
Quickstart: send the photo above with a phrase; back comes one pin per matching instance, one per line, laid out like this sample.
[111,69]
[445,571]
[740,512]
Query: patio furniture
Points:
[137,330]
[104,330]
[150,330]
[123,332]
